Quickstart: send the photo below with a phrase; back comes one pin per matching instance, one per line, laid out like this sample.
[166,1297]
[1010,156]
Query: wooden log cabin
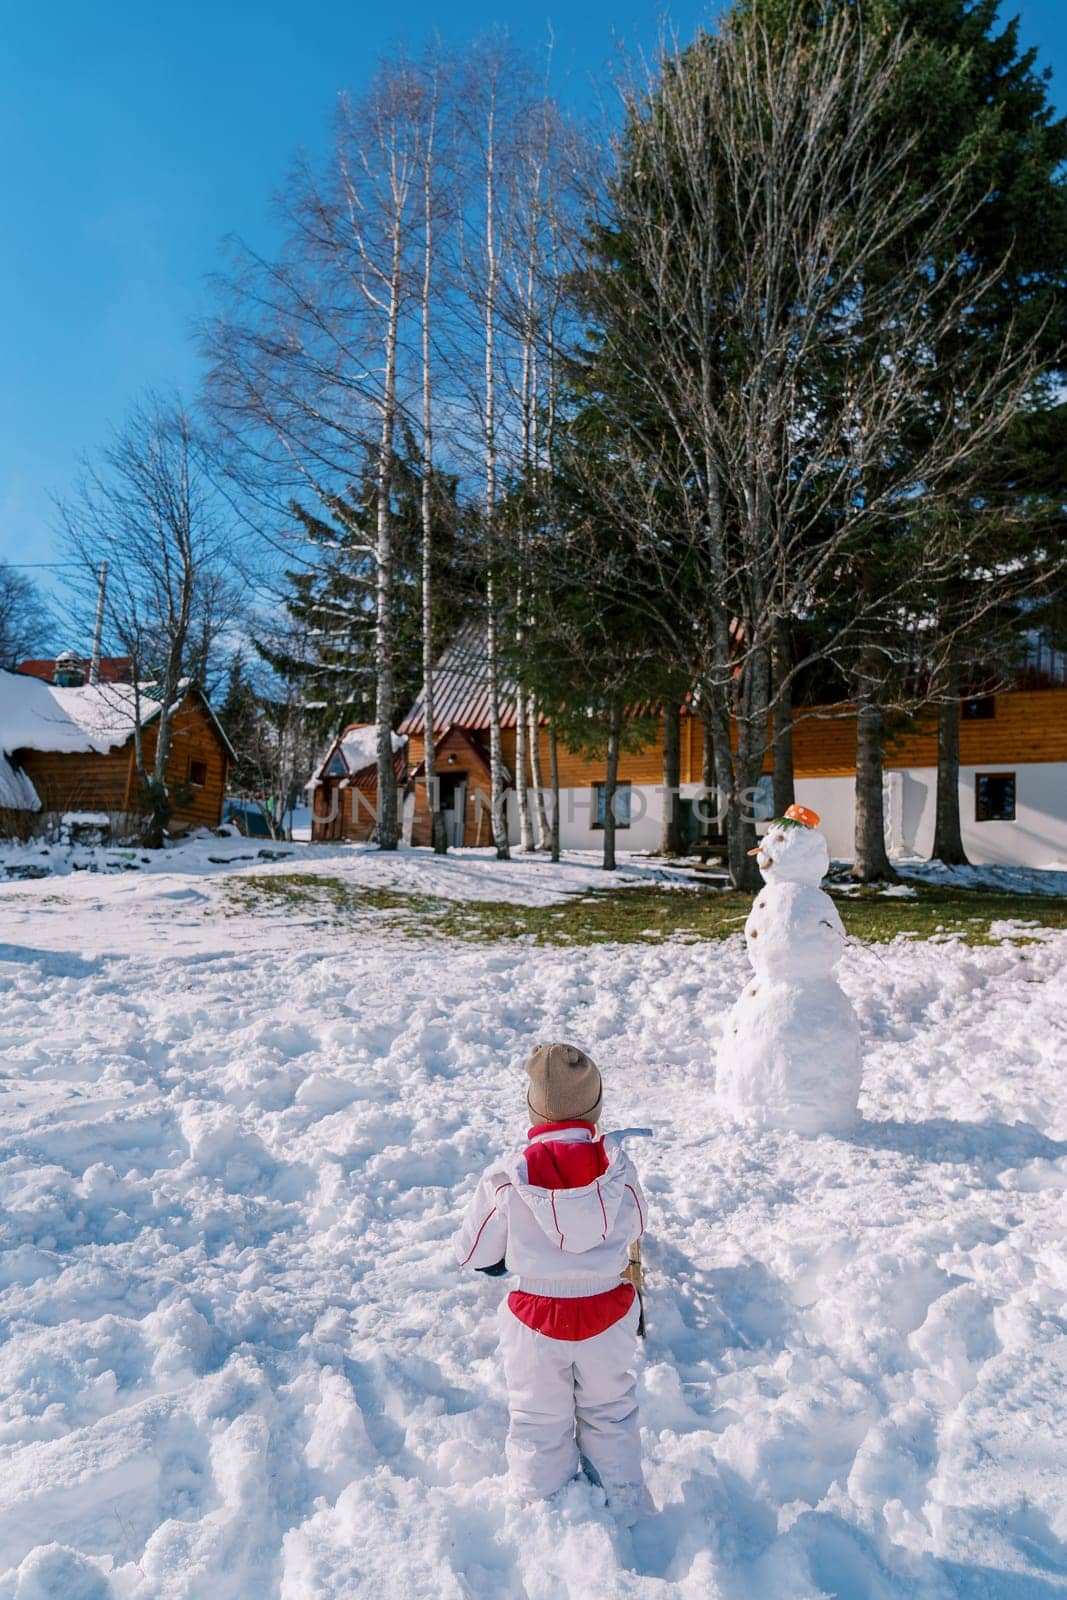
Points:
[1013,772]
[344,785]
[74,747]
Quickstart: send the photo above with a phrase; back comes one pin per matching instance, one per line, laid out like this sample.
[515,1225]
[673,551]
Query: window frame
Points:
[598,791]
[1013,777]
[194,782]
[979,700]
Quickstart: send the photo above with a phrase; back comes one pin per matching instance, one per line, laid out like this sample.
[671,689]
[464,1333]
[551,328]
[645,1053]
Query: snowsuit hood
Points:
[574,1220]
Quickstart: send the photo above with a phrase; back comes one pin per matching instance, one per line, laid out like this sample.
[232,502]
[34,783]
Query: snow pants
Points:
[567,1396]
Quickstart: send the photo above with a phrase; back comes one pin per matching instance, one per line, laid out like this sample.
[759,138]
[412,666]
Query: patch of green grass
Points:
[646,915]
[319,895]
[942,912]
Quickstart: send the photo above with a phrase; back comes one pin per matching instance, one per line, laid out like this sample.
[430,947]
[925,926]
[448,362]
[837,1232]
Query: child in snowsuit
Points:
[562,1214]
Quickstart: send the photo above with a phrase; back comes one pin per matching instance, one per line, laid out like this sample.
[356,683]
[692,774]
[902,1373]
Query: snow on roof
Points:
[359,746]
[16,791]
[38,716]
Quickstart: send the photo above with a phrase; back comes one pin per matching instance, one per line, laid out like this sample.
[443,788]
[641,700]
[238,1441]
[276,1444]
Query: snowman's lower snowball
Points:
[790,1054]
[790,1057]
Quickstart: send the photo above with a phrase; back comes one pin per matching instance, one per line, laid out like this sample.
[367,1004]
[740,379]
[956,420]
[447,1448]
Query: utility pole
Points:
[98,626]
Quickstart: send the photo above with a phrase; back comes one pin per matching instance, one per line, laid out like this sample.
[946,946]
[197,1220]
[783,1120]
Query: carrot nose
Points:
[757,850]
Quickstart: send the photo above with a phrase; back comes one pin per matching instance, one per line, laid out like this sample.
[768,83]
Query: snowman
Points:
[790,1055]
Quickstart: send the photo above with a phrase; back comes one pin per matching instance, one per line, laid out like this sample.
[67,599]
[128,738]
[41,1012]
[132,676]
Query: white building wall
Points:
[576,831]
[835,802]
[1037,837]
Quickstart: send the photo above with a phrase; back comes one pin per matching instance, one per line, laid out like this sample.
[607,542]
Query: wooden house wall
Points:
[79,782]
[87,781]
[359,817]
[477,827]
[194,737]
[1027,726]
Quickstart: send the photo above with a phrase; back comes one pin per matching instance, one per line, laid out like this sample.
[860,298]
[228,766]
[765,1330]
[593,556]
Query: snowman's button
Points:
[752,932]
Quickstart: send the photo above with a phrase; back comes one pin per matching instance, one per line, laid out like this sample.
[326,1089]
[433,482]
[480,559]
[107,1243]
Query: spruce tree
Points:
[330,599]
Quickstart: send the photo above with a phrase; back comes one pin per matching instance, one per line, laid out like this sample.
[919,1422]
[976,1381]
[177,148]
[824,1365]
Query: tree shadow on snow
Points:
[940,1139]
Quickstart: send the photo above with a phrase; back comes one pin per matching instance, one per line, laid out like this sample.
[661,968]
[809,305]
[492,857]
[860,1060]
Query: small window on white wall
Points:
[994,797]
[621,807]
[763,798]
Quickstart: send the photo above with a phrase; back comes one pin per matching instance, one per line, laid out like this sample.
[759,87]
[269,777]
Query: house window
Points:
[621,807]
[979,709]
[994,797]
[198,773]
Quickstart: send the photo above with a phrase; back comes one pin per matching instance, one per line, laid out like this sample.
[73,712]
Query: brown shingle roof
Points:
[461,687]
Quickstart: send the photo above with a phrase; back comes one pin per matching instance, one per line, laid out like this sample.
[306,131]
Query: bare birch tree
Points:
[509,150]
[483,103]
[310,365]
[432,207]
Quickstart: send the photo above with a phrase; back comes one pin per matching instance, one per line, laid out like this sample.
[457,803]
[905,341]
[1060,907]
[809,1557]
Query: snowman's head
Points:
[790,852]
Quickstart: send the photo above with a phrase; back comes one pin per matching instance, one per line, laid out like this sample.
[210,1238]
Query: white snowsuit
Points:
[563,1213]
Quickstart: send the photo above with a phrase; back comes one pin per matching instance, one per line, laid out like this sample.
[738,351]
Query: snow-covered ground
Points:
[236,1360]
[178,900]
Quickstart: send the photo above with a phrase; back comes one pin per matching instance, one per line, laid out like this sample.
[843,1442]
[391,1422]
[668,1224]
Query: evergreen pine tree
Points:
[330,599]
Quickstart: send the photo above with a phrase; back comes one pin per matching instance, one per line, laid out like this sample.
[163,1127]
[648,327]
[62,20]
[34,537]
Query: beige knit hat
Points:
[564,1084]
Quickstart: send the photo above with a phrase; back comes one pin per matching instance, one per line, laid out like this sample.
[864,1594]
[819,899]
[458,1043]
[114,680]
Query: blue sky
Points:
[135,136]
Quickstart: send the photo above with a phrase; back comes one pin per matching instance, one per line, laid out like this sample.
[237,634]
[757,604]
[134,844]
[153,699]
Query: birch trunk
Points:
[751,742]
[528,440]
[731,774]
[438,836]
[710,822]
[385,701]
[158,813]
[496,758]
[497,789]
[526,838]
[553,774]
[536,778]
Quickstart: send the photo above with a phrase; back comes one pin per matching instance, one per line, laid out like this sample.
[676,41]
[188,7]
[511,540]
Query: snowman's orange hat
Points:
[802,814]
[797,816]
